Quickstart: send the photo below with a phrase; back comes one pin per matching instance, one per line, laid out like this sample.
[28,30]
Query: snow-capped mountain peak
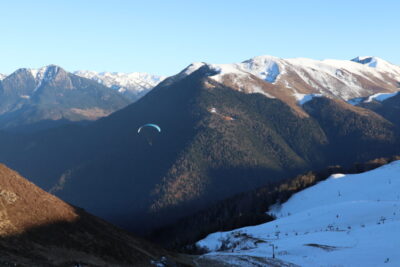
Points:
[193,67]
[44,74]
[288,78]
[265,67]
[2,76]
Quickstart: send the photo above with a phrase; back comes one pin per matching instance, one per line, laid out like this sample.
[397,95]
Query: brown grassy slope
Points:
[38,229]
[24,205]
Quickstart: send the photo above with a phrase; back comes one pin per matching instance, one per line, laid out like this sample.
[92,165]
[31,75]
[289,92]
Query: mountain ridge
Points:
[286,79]
[273,138]
[218,138]
[344,73]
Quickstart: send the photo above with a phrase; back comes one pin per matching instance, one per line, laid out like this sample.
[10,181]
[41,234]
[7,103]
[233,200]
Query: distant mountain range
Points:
[50,96]
[226,128]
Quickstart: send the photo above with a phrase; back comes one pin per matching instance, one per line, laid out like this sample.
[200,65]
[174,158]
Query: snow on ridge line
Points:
[304,98]
[328,73]
[219,70]
[337,176]
[367,60]
[257,89]
[355,101]
[378,64]
[265,67]
[193,67]
[380,96]
[223,69]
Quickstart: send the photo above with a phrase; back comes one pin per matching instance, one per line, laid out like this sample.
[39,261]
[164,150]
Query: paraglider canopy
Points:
[150,125]
[149,131]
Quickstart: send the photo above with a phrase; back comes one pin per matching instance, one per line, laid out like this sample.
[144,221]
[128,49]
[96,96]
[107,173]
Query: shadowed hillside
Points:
[38,229]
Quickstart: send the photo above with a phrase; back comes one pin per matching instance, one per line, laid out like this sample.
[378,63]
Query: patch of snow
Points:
[356,101]
[380,97]
[2,76]
[351,221]
[122,90]
[44,74]
[304,98]
[160,263]
[258,89]
[337,176]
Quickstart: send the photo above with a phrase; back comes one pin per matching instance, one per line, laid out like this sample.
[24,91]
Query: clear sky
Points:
[164,36]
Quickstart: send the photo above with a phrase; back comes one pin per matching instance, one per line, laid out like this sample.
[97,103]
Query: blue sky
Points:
[164,36]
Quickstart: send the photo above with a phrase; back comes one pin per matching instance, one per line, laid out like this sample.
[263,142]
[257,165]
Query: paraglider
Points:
[150,125]
[149,131]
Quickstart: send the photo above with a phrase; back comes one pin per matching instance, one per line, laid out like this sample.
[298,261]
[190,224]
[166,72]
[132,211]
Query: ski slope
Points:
[346,220]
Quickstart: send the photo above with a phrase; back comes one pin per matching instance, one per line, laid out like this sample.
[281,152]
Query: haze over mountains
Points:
[226,128]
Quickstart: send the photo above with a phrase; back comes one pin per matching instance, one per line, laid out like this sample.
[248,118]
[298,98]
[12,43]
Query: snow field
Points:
[346,220]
